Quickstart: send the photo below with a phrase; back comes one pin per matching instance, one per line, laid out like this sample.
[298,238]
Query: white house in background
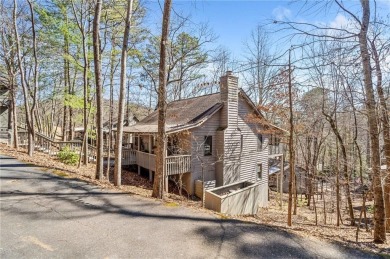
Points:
[219,139]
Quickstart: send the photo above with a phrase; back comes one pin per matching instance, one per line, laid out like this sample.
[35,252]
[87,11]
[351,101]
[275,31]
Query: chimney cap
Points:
[229,73]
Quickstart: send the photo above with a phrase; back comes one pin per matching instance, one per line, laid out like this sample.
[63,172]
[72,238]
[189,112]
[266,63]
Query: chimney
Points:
[229,97]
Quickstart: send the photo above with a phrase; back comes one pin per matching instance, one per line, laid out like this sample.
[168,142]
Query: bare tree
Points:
[291,147]
[347,35]
[386,129]
[82,24]
[25,87]
[379,214]
[99,89]
[121,105]
[260,70]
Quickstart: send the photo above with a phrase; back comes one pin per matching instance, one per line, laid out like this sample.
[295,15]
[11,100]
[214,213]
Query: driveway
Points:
[45,216]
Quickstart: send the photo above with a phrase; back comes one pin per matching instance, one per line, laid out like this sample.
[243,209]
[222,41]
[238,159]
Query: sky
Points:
[232,21]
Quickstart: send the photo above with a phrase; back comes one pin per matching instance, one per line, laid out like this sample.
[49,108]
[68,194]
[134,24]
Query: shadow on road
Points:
[16,165]
[88,201]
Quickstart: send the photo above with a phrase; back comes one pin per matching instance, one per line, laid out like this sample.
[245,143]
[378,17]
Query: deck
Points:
[275,150]
[177,164]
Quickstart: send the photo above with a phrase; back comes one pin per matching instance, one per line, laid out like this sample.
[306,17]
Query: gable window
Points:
[259,171]
[259,142]
[208,146]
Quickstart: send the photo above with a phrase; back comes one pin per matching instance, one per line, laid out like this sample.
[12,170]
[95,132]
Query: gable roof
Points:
[181,114]
[189,113]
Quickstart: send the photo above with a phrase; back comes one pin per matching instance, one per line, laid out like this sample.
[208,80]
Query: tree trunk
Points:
[337,186]
[24,85]
[290,146]
[99,90]
[161,106]
[121,106]
[309,171]
[385,133]
[110,116]
[379,213]
[15,142]
[335,130]
[85,108]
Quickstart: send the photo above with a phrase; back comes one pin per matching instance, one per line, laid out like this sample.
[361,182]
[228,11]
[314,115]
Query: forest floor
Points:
[303,223]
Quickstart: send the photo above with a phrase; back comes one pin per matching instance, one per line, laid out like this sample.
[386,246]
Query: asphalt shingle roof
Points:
[180,113]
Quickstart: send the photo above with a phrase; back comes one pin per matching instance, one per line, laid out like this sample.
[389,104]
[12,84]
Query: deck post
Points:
[150,152]
[166,183]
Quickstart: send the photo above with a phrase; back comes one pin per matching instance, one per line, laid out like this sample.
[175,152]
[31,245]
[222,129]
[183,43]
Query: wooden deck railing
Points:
[275,150]
[174,164]
[178,164]
[129,157]
[52,147]
[146,160]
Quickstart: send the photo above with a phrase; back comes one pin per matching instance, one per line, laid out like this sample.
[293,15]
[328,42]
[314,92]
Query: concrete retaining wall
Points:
[199,187]
[241,198]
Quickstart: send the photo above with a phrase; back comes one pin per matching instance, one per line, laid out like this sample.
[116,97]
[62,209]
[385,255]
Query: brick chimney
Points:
[229,97]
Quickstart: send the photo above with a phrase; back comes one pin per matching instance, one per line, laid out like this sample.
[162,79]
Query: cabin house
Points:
[218,139]
[300,178]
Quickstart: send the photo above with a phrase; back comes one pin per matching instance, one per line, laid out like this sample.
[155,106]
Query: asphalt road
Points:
[45,216]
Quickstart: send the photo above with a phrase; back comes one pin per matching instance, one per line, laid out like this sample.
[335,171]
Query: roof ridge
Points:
[193,97]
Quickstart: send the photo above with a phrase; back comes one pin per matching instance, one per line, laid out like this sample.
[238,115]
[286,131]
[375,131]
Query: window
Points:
[208,145]
[259,171]
[259,142]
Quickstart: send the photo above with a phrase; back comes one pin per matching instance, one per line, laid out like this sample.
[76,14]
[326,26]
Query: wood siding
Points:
[231,160]
[250,156]
[209,128]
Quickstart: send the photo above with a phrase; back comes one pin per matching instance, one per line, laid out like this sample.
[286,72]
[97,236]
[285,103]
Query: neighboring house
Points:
[300,177]
[127,138]
[5,116]
[220,138]
[79,131]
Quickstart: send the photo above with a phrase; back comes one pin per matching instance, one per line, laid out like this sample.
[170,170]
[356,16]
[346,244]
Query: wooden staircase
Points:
[52,147]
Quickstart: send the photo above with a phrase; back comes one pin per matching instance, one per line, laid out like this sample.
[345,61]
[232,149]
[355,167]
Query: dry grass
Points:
[304,222]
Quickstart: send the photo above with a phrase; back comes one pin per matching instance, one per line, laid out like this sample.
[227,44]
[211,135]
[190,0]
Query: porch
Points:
[275,150]
[275,147]
[143,147]
[175,164]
